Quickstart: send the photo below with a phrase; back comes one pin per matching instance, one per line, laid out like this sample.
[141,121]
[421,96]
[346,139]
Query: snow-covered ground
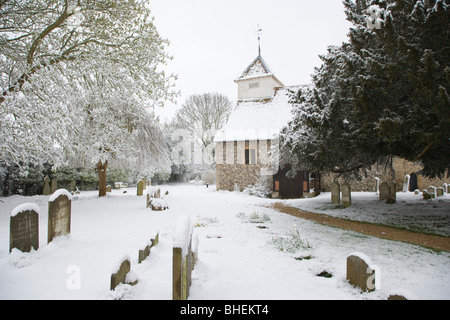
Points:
[240,244]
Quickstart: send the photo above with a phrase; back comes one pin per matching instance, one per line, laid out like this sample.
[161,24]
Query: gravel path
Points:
[426,240]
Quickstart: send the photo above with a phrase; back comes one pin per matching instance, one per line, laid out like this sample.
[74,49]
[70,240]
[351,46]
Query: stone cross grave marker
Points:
[24,228]
[59,214]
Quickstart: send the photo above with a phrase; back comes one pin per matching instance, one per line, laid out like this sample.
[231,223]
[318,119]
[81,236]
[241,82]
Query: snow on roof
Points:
[257,68]
[258,120]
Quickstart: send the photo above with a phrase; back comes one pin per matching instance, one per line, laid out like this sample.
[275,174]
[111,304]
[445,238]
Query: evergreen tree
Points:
[382,94]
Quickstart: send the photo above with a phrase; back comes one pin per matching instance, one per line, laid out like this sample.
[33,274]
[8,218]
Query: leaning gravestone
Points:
[346,195]
[384,191]
[59,214]
[123,274]
[359,273]
[24,228]
[335,192]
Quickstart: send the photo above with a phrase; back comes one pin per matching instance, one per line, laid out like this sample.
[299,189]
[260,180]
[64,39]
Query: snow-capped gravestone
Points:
[384,191]
[59,214]
[24,228]
[359,272]
[346,194]
[335,192]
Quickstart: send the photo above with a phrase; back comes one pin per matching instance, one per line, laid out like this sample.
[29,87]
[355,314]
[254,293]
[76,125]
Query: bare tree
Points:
[203,114]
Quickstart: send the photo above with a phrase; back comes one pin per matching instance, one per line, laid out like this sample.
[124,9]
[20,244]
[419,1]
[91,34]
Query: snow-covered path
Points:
[237,258]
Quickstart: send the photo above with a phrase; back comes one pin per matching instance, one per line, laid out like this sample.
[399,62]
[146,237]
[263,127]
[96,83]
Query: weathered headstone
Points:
[24,228]
[392,193]
[53,185]
[140,188]
[432,191]
[426,195]
[384,191]
[59,214]
[46,191]
[145,252]
[359,273]
[73,186]
[122,274]
[393,189]
[335,192]
[439,192]
[346,194]
[108,188]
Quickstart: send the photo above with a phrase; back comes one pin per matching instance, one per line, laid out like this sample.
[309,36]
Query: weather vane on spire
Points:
[258,33]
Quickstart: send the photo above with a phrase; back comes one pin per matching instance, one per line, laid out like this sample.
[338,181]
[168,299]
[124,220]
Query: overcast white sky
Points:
[213,41]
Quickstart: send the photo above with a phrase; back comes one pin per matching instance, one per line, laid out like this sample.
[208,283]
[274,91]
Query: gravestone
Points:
[122,274]
[108,188]
[346,195]
[46,191]
[59,214]
[393,189]
[426,195]
[384,191]
[140,188]
[432,191]
[377,185]
[53,186]
[439,192]
[359,273]
[24,228]
[406,183]
[392,193]
[335,192]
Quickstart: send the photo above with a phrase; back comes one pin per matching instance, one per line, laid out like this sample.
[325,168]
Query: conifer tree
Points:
[385,93]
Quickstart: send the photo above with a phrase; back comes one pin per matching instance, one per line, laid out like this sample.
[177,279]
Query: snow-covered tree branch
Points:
[79,80]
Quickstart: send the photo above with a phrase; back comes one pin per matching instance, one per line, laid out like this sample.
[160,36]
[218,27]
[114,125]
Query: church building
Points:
[247,146]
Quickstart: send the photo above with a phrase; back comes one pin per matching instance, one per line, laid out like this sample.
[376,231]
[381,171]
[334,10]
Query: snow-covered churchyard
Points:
[246,249]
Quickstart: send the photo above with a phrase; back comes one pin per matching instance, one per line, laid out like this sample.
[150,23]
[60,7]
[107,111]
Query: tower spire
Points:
[258,33]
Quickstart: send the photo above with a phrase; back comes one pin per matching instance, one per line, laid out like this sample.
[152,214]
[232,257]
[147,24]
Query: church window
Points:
[253,85]
[250,156]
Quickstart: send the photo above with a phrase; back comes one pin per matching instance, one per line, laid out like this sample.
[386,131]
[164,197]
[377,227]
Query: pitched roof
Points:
[258,68]
[258,120]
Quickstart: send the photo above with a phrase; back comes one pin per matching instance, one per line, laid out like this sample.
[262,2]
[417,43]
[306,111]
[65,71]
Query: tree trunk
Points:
[101,170]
